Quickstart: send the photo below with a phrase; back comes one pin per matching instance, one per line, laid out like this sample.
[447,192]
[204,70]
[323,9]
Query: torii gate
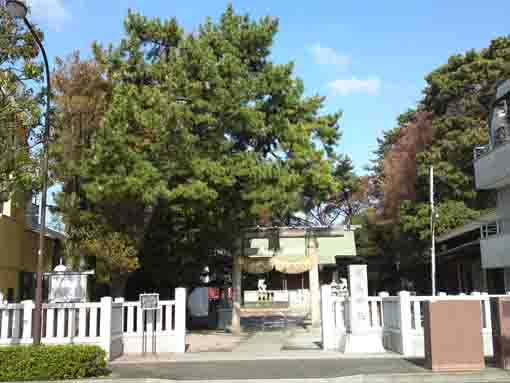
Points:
[268,259]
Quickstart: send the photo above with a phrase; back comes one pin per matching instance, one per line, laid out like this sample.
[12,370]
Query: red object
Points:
[213,293]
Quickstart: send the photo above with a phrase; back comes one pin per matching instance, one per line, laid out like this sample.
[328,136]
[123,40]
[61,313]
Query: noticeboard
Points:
[149,301]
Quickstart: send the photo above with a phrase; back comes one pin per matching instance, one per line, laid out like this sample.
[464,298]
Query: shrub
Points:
[51,362]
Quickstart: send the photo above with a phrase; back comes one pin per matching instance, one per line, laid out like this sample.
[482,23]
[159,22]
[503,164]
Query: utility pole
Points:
[18,10]
[432,232]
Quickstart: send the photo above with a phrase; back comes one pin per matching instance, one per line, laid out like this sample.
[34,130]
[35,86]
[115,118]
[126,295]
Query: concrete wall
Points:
[503,206]
[495,251]
[492,170]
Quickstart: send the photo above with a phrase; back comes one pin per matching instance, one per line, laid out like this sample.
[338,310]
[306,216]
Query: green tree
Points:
[366,235]
[455,110]
[82,96]
[348,200]
[456,94]
[203,132]
[19,106]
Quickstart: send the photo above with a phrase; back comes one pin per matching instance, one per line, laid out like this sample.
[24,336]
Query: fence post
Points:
[327,322]
[121,300]
[180,319]
[28,306]
[4,322]
[404,303]
[382,295]
[106,324]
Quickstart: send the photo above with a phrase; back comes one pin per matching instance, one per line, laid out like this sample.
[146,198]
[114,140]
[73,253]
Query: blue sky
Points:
[369,58]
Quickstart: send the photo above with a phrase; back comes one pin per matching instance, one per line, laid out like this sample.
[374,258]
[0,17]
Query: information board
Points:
[149,301]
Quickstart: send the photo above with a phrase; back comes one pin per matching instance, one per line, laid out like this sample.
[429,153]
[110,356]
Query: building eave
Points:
[470,226]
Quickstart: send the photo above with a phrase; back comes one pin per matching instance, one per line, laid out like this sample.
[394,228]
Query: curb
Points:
[212,360]
[428,377]
[229,357]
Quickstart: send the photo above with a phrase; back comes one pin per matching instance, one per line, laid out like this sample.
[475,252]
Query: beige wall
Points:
[18,247]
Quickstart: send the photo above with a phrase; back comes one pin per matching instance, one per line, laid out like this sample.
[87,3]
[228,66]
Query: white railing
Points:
[391,313]
[162,324]
[61,323]
[399,319]
[499,227]
[409,338]
[116,326]
[375,312]
[334,319]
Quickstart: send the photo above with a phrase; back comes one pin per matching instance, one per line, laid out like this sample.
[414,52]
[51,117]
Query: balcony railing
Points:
[501,137]
[481,151]
[495,228]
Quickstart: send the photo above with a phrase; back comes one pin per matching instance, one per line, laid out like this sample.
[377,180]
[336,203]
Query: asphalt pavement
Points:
[266,369]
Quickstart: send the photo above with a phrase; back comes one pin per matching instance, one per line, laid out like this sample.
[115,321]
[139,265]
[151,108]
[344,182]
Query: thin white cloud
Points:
[328,56]
[52,12]
[345,87]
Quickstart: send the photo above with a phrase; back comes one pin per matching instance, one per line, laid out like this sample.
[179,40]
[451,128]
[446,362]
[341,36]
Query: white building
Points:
[492,172]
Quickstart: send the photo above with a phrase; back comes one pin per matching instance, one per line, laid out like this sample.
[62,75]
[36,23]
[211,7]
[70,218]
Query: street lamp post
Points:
[17,9]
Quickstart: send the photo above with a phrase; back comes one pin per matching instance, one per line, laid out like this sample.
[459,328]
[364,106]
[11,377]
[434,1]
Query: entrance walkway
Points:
[275,342]
[260,345]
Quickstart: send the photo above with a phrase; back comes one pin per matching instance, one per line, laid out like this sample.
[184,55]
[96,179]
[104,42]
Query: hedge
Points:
[51,362]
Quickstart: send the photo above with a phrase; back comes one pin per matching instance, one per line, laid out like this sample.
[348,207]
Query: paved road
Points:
[264,369]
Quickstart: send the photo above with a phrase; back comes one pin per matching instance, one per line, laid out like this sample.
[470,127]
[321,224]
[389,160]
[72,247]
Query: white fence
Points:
[116,326]
[335,318]
[168,325]
[398,320]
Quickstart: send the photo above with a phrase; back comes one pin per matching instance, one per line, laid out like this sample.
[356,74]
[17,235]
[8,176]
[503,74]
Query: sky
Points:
[368,58]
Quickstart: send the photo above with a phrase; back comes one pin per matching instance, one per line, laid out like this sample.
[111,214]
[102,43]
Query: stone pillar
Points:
[358,284]
[315,294]
[361,337]
[236,294]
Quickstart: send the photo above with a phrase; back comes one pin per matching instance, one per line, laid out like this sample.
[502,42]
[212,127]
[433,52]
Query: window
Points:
[32,212]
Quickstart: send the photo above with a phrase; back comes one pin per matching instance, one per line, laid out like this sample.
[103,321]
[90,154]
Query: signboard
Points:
[149,301]
[278,296]
[67,287]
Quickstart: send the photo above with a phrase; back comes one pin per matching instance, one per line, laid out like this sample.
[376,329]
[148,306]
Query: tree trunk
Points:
[118,285]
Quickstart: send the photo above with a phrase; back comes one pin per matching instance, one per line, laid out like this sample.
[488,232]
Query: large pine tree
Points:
[202,133]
